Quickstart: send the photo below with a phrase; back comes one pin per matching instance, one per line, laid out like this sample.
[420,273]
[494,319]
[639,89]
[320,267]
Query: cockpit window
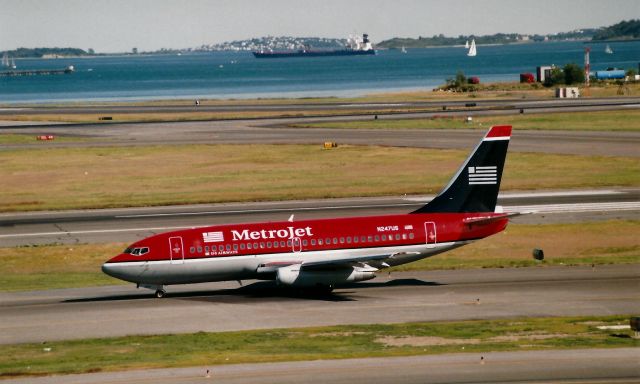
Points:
[137,251]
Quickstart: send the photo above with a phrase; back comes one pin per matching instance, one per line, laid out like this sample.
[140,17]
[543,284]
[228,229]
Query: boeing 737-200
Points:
[321,254]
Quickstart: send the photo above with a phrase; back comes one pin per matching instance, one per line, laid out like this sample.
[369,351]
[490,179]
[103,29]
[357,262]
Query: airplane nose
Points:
[107,269]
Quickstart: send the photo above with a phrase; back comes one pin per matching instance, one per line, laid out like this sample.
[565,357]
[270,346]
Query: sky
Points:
[120,25]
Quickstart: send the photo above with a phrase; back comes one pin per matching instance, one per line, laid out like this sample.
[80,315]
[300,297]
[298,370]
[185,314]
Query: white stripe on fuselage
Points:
[205,268]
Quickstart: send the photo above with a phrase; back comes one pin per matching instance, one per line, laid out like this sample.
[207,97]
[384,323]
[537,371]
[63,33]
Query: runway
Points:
[130,224]
[278,131]
[402,297]
[229,106]
[583,366]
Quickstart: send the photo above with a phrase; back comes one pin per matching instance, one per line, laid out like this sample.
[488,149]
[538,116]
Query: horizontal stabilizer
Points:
[479,220]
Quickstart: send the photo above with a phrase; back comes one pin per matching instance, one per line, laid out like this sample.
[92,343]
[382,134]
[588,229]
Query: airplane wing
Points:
[343,262]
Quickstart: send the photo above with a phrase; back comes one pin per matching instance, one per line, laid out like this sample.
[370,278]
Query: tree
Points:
[573,73]
[556,77]
[460,79]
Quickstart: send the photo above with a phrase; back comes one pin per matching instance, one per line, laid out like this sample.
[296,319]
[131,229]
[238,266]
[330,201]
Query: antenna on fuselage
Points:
[291,218]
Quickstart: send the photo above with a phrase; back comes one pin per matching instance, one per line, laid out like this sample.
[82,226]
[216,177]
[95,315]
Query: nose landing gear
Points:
[160,293]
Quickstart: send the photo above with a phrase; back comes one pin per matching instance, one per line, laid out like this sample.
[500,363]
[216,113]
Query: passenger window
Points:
[313,241]
[377,238]
[255,245]
[268,244]
[327,241]
[404,236]
[192,250]
[235,247]
[370,238]
[335,240]
[304,243]
[242,246]
[262,245]
[288,243]
[411,235]
[319,241]
[282,243]
[248,245]
[348,239]
[228,247]
[221,248]
[206,249]
[397,236]
[199,249]
[363,239]
[355,239]
[342,240]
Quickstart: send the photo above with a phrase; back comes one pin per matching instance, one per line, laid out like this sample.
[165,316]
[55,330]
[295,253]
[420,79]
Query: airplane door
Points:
[176,250]
[296,245]
[430,232]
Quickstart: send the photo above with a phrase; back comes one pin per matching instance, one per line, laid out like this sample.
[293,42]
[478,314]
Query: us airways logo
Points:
[483,175]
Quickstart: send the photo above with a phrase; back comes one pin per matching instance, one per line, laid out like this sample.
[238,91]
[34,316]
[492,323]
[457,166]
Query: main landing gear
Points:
[159,289]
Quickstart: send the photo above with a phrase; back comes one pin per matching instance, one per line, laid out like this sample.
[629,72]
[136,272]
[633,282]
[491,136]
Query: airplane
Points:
[319,254]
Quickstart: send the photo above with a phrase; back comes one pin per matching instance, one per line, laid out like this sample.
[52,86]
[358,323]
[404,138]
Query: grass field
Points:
[583,121]
[79,178]
[610,242]
[337,342]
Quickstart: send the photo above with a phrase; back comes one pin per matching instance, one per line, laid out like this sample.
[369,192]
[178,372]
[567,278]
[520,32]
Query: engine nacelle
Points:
[292,275]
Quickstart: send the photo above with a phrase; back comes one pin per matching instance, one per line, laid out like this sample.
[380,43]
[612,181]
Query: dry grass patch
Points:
[68,178]
[606,242]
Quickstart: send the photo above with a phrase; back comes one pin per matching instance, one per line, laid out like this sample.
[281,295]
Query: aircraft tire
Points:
[160,293]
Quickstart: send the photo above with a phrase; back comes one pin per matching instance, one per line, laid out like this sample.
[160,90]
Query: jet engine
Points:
[296,276]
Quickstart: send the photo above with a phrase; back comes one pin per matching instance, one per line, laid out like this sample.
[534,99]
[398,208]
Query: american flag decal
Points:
[213,237]
[483,175]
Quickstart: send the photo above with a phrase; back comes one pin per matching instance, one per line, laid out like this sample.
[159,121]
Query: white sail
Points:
[466,45]
[5,60]
[608,49]
[472,49]
[404,50]
[13,64]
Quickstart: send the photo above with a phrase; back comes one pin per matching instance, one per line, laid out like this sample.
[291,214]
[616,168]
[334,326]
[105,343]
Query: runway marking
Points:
[97,231]
[579,207]
[535,209]
[265,210]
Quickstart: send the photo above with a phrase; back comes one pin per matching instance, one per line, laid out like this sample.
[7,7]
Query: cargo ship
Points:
[355,47]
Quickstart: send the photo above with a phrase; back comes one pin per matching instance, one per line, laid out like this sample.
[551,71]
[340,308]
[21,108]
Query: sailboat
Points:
[466,45]
[472,49]
[608,49]
[5,60]
[404,50]
[13,64]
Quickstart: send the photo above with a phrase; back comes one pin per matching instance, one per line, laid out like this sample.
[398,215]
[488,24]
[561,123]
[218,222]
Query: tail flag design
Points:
[475,187]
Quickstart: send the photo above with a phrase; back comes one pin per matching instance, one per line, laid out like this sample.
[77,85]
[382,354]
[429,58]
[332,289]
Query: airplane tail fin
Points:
[475,187]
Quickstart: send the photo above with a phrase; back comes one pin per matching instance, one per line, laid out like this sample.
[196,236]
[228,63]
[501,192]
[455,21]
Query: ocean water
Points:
[227,75]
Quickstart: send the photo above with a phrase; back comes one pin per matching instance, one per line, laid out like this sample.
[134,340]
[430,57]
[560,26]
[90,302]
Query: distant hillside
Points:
[40,52]
[623,30]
